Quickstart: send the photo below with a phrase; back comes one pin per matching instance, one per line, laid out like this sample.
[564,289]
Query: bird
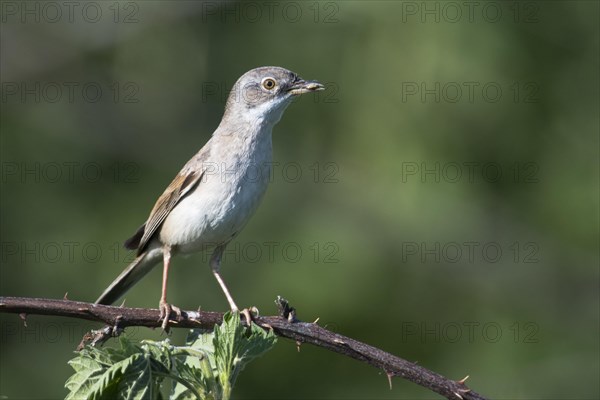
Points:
[216,192]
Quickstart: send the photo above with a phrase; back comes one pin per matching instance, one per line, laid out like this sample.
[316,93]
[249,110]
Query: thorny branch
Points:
[286,325]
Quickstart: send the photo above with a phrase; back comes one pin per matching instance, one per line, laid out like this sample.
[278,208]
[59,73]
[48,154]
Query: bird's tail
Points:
[129,277]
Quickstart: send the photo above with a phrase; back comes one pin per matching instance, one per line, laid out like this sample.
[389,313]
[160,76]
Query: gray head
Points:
[264,93]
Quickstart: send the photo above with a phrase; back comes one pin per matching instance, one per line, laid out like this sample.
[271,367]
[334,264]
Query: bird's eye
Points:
[269,83]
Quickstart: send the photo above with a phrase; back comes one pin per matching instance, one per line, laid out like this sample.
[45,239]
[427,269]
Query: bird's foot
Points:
[165,313]
[249,314]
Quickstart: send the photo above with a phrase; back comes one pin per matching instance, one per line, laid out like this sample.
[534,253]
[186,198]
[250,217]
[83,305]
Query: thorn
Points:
[65,296]
[86,338]
[268,326]
[316,320]
[285,310]
[83,309]
[457,395]
[463,380]
[298,344]
[464,390]
[123,303]
[389,376]
[292,316]
[339,341]
[23,317]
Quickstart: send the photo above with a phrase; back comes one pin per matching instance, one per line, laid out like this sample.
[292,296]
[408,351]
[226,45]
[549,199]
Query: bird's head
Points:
[264,93]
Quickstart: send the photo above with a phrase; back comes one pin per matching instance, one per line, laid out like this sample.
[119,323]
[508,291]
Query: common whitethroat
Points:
[218,189]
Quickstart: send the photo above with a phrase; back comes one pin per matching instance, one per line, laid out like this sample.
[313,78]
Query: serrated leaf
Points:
[142,384]
[206,368]
[195,366]
[109,373]
[87,373]
[112,382]
[235,347]
[193,376]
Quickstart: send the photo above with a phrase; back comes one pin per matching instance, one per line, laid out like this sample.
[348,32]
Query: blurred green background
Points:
[439,200]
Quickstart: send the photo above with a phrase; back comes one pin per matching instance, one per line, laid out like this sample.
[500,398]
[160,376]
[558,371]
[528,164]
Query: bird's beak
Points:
[301,86]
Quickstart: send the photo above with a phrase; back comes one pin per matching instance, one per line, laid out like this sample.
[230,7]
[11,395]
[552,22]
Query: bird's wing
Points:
[181,185]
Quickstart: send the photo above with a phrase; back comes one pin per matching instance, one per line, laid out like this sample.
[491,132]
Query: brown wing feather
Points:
[180,186]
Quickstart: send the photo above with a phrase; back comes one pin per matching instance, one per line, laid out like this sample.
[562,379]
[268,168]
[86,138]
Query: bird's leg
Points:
[166,308]
[215,265]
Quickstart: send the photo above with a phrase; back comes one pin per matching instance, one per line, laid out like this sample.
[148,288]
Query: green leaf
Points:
[206,368]
[195,365]
[128,372]
[236,346]
[87,372]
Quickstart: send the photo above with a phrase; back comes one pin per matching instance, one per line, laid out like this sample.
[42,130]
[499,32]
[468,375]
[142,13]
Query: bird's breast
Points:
[224,200]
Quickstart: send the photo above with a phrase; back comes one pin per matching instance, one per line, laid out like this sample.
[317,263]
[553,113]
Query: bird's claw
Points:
[165,313]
